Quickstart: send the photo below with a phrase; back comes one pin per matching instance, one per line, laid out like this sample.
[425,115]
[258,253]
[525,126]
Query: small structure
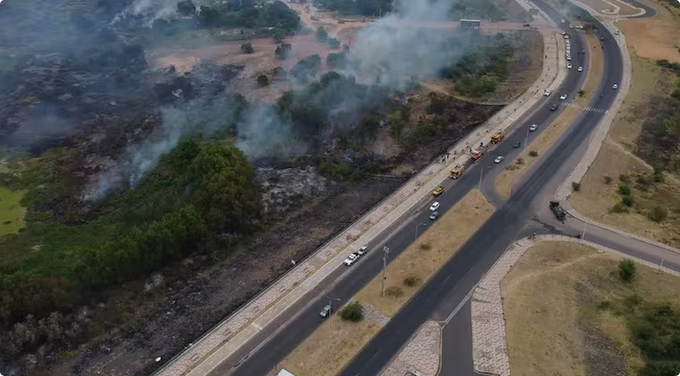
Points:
[283,372]
[470,24]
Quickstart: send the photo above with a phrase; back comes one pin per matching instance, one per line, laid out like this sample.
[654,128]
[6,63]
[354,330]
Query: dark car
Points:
[553,107]
[516,145]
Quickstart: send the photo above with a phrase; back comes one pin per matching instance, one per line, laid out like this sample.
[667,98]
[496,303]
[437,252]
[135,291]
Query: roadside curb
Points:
[597,139]
[240,326]
[489,337]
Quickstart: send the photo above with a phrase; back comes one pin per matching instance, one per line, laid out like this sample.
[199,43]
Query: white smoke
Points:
[413,43]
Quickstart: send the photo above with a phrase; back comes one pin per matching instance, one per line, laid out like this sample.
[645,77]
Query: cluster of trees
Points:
[306,67]
[656,331]
[322,36]
[233,13]
[283,51]
[201,195]
[480,70]
[369,8]
[336,60]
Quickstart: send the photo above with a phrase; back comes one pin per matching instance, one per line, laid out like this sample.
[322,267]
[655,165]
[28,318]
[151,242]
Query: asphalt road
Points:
[462,272]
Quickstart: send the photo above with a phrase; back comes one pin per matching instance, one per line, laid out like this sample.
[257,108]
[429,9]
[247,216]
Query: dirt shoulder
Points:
[617,164]
[511,174]
[656,37]
[566,308]
[318,355]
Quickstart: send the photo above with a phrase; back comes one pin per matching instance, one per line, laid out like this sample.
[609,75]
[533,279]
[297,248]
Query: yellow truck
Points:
[437,191]
[457,172]
[498,137]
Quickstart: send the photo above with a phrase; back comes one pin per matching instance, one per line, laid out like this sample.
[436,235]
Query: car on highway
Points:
[434,206]
[569,58]
[615,86]
[434,215]
[498,159]
[569,65]
[437,191]
[516,145]
[546,92]
[553,107]
[571,26]
[562,20]
[580,69]
[363,250]
[326,311]
[566,36]
[563,32]
[533,127]
[351,259]
[563,96]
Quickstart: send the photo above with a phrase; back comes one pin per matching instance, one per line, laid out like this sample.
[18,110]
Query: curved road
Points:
[516,218]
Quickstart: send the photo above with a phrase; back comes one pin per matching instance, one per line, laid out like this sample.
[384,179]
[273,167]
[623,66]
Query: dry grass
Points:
[654,38]
[599,5]
[554,327]
[444,239]
[329,348]
[595,198]
[506,179]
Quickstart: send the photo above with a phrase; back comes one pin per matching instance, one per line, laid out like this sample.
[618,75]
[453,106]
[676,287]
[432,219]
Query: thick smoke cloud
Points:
[406,46]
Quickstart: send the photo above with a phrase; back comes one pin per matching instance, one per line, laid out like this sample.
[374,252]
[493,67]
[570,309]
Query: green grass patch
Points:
[11,211]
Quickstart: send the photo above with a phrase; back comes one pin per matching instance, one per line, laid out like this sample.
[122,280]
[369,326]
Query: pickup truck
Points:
[558,210]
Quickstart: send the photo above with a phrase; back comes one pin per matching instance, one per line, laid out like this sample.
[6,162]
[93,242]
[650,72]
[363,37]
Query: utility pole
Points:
[386,252]
[583,235]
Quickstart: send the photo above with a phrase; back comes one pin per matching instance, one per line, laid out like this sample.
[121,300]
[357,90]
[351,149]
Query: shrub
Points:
[411,281]
[533,153]
[627,200]
[658,214]
[353,312]
[247,48]
[619,208]
[658,175]
[333,43]
[425,246]
[283,50]
[575,186]
[624,178]
[607,180]
[581,92]
[624,190]
[262,80]
[394,292]
[627,270]
[520,161]
[643,180]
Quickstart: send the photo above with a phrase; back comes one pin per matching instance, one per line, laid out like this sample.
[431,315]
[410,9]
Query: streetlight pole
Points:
[417,226]
[583,235]
[481,171]
[386,252]
[526,140]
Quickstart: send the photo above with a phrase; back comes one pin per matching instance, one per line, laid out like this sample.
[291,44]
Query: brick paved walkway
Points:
[421,355]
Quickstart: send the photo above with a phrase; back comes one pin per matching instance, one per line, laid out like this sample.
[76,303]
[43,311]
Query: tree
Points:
[307,66]
[335,60]
[333,43]
[627,270]
[186,8]
[262,80]
[321,34]
[282,51]
[247,48]
[279,35]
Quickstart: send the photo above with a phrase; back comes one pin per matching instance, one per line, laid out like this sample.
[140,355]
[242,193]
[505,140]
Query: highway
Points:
[522,214]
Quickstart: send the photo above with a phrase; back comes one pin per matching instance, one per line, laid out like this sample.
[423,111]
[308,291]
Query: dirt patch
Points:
[511,174]
[330,347]
[552,301]
[423,258]
[607,7]
[656,37]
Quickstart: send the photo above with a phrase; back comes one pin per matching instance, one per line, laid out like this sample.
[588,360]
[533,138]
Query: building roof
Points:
[283,372]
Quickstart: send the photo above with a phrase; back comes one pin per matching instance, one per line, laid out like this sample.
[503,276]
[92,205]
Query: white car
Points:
[498,159]
[351,259]
[580,69]
[569,65]
[571,26]
[566,37]
[563,96]
[563,32]
[533,127]
[434,206]
[563,20]
[363,250]
[434,215]
[568,58]
[615,86]
[546,93]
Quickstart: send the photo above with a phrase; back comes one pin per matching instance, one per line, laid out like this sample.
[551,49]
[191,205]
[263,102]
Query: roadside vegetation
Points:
[320,354]
[569,307]
[634,184]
